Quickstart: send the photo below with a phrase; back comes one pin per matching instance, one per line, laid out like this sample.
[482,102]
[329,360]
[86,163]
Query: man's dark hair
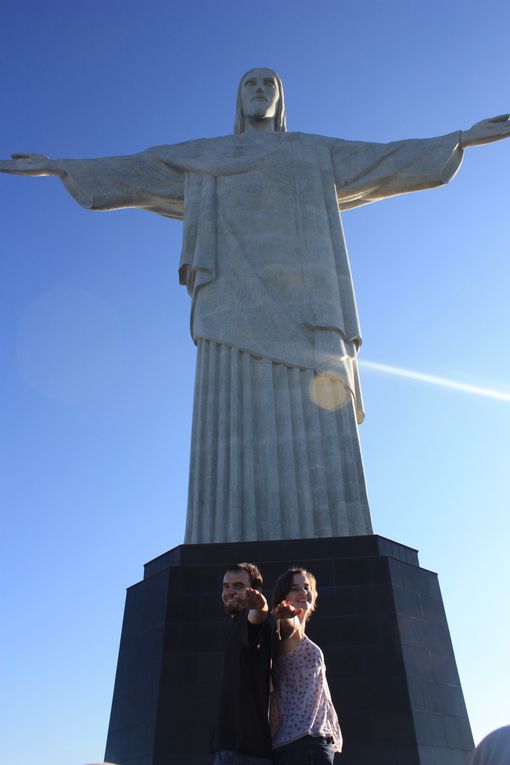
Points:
[251,569]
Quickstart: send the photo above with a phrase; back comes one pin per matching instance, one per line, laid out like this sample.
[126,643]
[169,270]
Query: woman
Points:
[304,723]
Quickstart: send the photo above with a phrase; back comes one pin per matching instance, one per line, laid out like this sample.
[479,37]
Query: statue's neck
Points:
[257,126]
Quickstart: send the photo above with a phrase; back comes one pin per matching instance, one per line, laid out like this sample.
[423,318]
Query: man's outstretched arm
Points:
[257,605]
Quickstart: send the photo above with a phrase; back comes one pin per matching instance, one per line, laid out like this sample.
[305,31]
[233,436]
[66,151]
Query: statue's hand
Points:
[30,164]
[486,131]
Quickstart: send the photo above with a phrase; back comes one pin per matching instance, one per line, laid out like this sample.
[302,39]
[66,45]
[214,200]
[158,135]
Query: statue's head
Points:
[260,96]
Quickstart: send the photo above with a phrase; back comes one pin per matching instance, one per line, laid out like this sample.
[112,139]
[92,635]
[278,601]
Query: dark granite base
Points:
[380,623]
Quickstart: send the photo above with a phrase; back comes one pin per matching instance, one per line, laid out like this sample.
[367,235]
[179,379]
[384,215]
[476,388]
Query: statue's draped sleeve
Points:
[368,172]
[145,180]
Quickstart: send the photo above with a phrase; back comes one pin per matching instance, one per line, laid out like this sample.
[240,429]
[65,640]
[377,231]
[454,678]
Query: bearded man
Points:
[242,735]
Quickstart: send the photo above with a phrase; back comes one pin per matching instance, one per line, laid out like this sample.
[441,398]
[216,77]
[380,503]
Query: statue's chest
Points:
[281,186]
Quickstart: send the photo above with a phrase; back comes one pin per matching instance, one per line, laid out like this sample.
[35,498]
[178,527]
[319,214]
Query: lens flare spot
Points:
[329,391]
[69,345]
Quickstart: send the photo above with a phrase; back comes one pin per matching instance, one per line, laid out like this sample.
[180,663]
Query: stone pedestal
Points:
[380,622]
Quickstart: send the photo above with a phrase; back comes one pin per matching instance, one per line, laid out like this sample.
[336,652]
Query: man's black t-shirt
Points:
[242,720]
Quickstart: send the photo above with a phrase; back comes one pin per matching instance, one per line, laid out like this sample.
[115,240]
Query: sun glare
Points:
[434,380]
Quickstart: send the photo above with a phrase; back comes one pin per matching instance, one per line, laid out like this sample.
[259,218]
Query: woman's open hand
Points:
[285,610]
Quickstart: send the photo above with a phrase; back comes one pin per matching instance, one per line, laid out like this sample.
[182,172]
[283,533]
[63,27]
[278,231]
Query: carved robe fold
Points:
[265,262]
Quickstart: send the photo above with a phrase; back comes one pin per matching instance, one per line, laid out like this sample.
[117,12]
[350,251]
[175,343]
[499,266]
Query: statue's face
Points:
[259,94]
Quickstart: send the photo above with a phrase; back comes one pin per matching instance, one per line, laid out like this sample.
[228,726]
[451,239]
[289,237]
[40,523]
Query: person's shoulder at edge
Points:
[493,749]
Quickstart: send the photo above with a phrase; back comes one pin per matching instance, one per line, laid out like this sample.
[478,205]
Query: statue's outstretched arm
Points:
[486,131]
[31,164]
[141,180]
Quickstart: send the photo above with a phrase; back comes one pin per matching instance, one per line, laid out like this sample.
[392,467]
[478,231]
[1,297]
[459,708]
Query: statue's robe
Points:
[275,451]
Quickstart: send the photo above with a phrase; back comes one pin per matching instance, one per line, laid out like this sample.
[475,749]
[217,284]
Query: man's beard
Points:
[232,608]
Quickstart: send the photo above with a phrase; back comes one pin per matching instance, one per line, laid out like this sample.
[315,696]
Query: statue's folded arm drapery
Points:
[265,262]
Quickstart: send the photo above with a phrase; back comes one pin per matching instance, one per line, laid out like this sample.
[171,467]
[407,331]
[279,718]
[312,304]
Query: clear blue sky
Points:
[97,363]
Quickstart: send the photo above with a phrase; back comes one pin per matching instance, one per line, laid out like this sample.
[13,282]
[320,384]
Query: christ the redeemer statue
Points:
[275,451]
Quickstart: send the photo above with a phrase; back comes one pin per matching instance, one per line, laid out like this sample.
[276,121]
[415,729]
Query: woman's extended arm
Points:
[287,620]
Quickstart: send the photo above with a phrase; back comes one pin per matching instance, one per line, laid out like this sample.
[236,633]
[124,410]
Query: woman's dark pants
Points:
[309,750]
